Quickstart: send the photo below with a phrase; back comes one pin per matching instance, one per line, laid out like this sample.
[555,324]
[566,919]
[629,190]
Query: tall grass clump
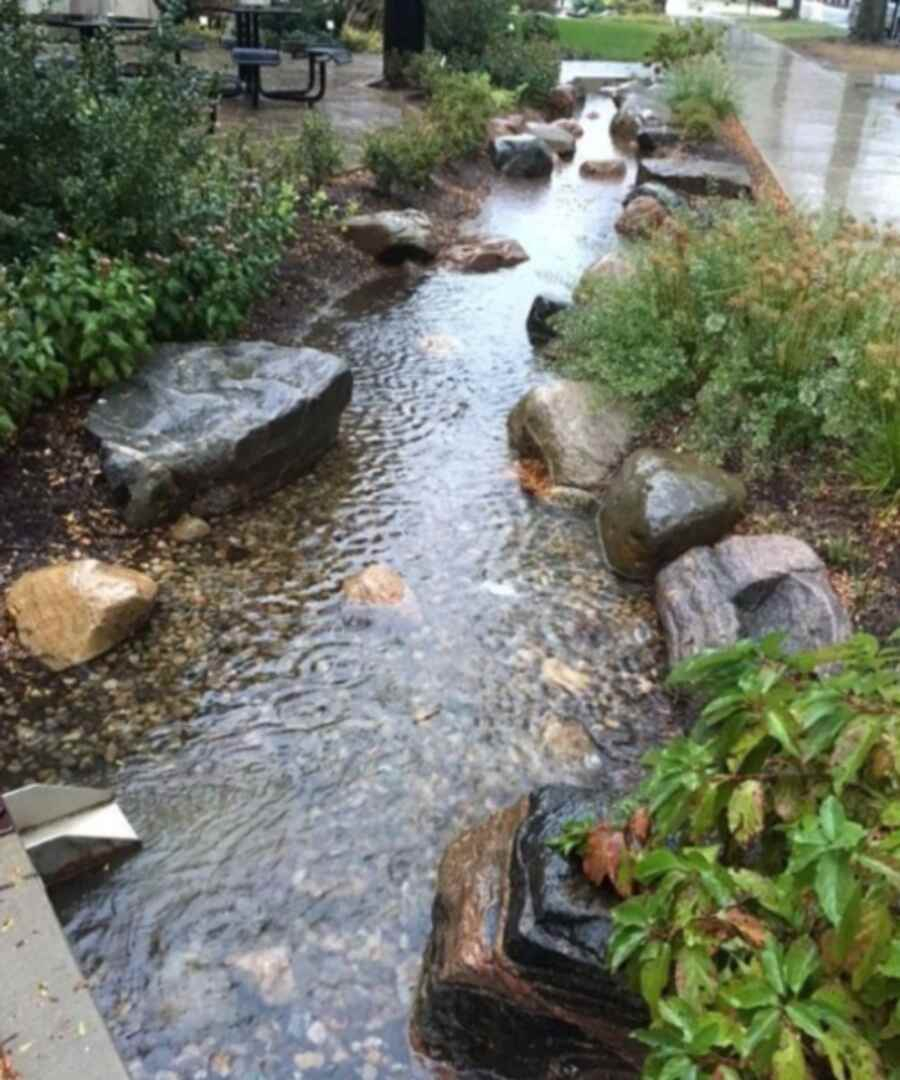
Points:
[702,92]
[769,333]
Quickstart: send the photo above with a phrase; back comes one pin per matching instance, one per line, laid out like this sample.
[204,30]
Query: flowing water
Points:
[273,923]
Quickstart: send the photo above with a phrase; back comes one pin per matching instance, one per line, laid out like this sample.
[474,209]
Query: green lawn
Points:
[610,38]
[792,29]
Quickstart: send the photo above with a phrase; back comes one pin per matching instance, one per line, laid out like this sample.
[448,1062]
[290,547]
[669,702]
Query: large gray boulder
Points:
[207,428]
[580,441]
[393,235]
[524,156]
[640,110]
[557,138]
[698,176]
[514,981]
[660,505]
[747,587]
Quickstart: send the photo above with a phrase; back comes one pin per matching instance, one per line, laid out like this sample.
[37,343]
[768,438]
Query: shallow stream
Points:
[273,923]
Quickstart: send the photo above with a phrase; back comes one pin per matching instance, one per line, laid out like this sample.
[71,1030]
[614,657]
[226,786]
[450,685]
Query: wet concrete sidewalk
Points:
[832,140]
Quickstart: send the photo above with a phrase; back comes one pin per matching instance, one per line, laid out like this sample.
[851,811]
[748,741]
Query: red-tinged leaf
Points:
[748,926]
[593,862]
[624,878]
[639,826]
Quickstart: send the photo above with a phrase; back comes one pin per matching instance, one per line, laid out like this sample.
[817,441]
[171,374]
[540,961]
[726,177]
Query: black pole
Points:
[404,34]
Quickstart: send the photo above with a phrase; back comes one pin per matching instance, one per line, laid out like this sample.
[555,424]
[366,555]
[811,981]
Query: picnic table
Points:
[250,55]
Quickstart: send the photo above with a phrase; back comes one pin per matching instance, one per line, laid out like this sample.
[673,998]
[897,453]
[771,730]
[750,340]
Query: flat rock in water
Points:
[380,588]
[698,176]
[69,613]
[514,981]
[747,587]
[558,139]
[483,256]
[641,109]
[521,156]
[207,428]
[660,505]
[609,169]
[393,235]
[580,441]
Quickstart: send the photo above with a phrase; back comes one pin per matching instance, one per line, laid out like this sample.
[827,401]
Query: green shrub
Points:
[362,41]
[529,66]
[320,149]
[697,120]
[459,110]
[761,864]
[702,81]
[768,332]
[464,27]
[403,156]
[686,40]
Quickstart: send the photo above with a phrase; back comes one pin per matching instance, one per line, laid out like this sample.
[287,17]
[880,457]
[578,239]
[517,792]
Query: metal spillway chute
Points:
[68,830]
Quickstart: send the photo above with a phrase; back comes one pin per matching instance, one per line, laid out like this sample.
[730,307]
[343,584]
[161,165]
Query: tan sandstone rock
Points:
[70,613]
[483,256]
[377,584]
[611,169]
[641,217]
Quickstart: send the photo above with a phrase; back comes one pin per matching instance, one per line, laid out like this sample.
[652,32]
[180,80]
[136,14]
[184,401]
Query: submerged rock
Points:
[514,982]
[483,256]
[545,306]
[208,428]
[558,139]
[393,235]
[747,587]
[660,505]
[563,100]
[579,440]
[379,585]
[523,156]
[698,176]
[668,198]
[189,529]
[610,169]
[70,613]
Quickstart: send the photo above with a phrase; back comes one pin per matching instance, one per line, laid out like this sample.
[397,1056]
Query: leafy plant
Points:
[528,65]
[320,148]
[768,331]
[361,41]
[761,910]
[685,41]
[464,27]
[403,156]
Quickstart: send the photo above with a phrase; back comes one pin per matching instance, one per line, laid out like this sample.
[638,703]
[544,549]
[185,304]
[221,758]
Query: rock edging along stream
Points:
[514,980]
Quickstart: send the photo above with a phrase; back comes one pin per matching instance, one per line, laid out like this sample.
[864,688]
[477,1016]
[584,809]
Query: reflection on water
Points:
[273,923]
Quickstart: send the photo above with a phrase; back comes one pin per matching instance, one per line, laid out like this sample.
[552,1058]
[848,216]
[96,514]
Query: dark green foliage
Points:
[765,935]
[528,65]
[464,27]
[320,149]
[403,156]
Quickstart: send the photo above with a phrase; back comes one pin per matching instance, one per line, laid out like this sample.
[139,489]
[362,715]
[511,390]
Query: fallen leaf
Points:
[566,678]
[639,826]
[607,858]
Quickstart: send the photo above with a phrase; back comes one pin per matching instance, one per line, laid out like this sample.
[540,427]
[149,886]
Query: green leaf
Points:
[789,1062]
[852,749]
[800,962]
[832,817]
[778,726]
[746,811]
[763,1027]
[695,975]
[888,867]
[654,974]
[834,884]
[891,964]
[656,863]
[806,1018]
[771,965]
[680,1015]
[624,943]
[774,894]
[749,992]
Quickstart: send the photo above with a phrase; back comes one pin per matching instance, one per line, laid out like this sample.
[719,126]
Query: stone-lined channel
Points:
[273,924]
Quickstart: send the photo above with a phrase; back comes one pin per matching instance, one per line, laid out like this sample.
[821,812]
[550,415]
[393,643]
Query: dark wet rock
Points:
[522,156]
[557,139]
[698,176]
[579,440]
[655,137]
[641,217]
[207,428]
[639,111]
[564,101]
[483,256]
[513,983]
[668,198]
[611,169]
[748,586]
[393,235]
[546,304]
[660,505]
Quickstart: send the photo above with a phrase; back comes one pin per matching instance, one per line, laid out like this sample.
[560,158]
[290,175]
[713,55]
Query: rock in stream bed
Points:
[208,428]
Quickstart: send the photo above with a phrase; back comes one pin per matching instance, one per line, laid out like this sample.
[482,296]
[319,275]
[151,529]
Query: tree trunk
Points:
[869,25]
[404,35]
